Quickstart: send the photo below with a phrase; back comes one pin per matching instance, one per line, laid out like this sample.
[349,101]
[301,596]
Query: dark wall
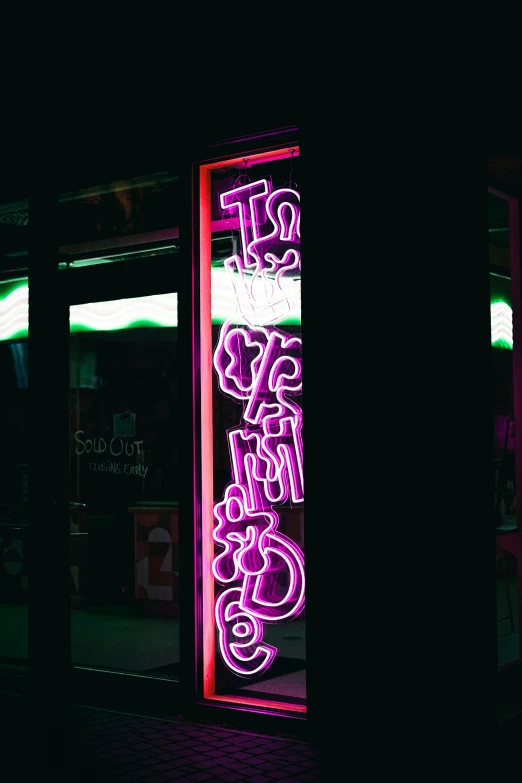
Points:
[94,148]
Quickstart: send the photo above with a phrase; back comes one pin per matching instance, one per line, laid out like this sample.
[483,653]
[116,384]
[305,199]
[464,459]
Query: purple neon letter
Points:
[263,570]
[256,273]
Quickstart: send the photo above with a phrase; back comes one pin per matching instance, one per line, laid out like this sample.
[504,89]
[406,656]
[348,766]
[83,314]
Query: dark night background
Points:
[418,446]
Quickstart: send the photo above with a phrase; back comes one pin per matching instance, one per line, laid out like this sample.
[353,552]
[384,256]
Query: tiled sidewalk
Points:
[109,746]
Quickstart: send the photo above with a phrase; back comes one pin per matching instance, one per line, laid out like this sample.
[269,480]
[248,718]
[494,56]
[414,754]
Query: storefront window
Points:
[253,499]
[124,569]
[14,454]
[123,485]
[504,477]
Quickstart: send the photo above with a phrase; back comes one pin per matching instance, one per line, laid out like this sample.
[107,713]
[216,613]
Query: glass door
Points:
[124,470]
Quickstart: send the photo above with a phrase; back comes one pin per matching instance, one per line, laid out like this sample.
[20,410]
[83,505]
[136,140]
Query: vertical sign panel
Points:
[252,433]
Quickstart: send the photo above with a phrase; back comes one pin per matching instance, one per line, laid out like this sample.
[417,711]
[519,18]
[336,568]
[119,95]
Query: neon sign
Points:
[261,569]
[257,273]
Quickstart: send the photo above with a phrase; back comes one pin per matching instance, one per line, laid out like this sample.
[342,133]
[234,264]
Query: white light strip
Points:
[122,313]
[119,314]
[225,304]
[501,323]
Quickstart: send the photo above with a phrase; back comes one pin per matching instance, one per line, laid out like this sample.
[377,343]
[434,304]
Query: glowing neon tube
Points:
[261,569]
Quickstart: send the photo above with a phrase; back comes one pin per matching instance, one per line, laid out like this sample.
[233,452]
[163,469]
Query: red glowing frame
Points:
[207,585]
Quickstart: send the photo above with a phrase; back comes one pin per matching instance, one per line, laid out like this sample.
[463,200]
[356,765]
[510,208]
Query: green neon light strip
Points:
[14,313]
[161,311]
[150,311]
[501,325]
[144,311]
